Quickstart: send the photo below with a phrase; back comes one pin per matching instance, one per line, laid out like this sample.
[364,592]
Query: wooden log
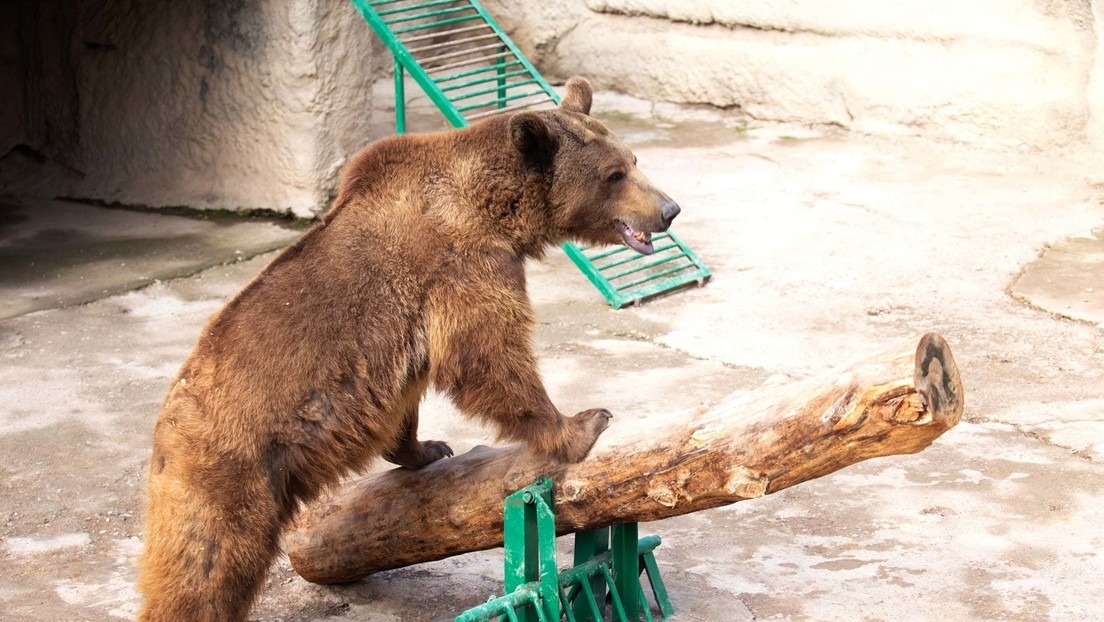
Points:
[746,446]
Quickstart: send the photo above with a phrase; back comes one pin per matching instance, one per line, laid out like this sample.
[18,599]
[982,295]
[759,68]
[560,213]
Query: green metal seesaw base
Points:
[604,570]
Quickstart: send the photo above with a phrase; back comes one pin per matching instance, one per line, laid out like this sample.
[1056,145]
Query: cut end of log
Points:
[936,380]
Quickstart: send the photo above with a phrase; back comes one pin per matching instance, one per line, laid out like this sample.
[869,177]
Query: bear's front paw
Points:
[596,420]
[582,432]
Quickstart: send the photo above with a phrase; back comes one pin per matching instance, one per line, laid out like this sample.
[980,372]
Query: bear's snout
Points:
[668,209]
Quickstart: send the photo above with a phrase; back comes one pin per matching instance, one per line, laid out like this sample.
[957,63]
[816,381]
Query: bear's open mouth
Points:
[639,241]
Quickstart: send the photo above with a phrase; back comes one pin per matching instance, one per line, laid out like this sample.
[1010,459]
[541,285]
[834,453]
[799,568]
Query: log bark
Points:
[748,445]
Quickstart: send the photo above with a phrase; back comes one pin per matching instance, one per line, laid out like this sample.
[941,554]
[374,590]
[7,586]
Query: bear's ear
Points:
[578,96]
[533,138]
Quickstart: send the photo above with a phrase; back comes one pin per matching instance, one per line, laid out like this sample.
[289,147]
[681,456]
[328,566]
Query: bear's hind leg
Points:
[208,548]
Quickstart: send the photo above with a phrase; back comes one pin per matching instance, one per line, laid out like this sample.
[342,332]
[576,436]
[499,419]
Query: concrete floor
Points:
[825,246]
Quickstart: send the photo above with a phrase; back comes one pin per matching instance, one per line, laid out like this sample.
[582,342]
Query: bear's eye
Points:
[616,176]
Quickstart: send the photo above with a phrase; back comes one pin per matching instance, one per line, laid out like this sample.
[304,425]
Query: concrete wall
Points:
[989,71]
[1096,79]
[230,104]
[242,104]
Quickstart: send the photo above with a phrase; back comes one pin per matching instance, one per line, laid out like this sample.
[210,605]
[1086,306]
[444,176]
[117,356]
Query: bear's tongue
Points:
[639,241]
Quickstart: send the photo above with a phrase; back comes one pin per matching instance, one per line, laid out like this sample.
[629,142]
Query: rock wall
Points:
[1001,71]
[231,104]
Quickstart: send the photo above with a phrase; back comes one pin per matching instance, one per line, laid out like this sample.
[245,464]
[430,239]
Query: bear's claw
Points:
[420,455]
[435,450]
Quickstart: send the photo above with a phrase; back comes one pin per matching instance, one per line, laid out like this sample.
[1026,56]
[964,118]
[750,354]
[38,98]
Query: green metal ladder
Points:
[536,592]
[456,52]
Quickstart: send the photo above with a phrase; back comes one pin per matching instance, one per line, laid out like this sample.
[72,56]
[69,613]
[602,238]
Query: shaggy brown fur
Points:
[414,277]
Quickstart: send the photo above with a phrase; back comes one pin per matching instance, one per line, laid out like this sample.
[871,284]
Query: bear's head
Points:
[597,195]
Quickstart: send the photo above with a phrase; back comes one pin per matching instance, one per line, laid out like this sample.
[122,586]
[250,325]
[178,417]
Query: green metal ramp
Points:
[470,69]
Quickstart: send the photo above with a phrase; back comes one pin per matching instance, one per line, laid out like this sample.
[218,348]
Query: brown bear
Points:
[414,277]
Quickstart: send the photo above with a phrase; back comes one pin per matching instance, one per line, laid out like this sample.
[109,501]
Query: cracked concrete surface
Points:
[826,247]
[1057,283]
